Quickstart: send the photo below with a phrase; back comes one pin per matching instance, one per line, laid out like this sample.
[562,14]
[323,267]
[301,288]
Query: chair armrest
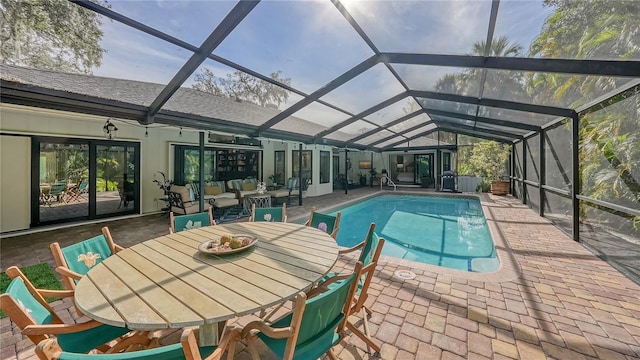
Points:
[324,286]
[56,293]
[235,191]
[351,249]
[334,233]
[59,328]
[263,327]
[68,273]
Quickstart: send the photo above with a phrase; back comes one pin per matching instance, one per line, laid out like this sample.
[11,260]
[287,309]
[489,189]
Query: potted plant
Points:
[272,180]
[363,178]
[489,160]
[373,173]
[305,184]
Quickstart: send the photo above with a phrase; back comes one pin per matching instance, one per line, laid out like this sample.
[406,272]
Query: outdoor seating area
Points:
[567,304]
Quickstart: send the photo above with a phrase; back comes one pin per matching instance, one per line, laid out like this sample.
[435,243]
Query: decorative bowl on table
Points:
[228,244]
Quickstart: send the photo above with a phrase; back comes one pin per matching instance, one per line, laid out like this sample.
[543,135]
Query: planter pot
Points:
[500,187]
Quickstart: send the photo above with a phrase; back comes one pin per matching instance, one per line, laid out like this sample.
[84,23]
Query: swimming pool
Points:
[443,231]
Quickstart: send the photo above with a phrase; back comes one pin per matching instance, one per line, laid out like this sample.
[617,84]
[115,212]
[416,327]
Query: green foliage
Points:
[501,83]
[484,186]
[76,165]
[488,160]
[609,138]
[50,34]
[244,87]
[110,185]
[40,275]
[583,30]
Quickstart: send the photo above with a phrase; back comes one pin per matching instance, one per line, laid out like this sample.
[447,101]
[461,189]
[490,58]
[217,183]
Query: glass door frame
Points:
[280,167]
[432,167]
[92,167]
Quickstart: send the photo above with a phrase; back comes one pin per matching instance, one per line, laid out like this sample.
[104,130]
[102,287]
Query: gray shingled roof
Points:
[185,101]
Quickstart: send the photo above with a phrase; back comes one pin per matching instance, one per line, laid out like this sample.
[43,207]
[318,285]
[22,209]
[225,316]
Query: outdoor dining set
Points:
[204,278]
[63,191]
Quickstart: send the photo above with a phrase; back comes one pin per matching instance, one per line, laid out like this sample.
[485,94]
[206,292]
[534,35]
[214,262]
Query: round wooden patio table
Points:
[167,283]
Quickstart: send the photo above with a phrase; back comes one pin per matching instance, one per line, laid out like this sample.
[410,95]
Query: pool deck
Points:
[551,298]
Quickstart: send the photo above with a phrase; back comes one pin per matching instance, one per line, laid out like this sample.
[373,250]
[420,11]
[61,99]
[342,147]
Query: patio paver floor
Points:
[557,301]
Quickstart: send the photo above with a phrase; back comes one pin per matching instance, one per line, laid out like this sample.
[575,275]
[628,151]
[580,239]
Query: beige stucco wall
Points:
[14,182]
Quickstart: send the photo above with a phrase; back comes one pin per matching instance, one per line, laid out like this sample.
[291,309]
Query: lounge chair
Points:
[291,189]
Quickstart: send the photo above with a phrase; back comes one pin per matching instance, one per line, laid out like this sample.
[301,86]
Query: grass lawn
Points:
[42,277]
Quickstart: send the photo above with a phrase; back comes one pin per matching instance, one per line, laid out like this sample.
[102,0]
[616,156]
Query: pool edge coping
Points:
[510,268]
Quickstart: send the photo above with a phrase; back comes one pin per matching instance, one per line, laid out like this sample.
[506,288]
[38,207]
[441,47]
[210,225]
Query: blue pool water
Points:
[449,232]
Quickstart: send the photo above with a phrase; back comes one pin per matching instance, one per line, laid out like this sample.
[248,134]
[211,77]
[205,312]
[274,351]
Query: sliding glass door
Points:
[115,179]
[63,171]
[81,179]
[425,169]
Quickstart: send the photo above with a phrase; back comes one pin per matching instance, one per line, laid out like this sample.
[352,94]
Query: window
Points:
[446,161]
[279,171]
[187,164]
[325,167]
[306,164]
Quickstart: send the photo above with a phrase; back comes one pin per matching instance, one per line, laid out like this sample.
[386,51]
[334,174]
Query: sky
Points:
[312,43]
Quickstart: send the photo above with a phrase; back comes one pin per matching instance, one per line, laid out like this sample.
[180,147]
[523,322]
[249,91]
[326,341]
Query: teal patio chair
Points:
[327,223]
[78,192]
[27,308]
[187,349]
[57,192]
[370,250]
[191,221]
[74,261]
[271,214]
[315,325]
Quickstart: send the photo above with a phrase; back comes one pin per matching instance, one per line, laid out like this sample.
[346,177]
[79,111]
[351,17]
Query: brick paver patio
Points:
[551,299]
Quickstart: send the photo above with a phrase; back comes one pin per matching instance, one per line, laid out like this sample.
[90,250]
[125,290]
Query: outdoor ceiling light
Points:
[109,129]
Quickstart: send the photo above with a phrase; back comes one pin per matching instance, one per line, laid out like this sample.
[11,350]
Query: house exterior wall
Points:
[156,154]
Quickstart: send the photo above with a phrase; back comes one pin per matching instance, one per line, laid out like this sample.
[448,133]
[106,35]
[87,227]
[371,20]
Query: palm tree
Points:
[498,84]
